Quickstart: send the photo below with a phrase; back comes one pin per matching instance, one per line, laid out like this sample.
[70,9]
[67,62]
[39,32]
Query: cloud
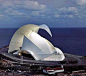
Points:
[6,4]
[30,5]
[1,15]
[63,16]
[33,5]
[35,13]
[69,16]
[68,10]
[10,11]
[57,15]
[16,7]
[80,2]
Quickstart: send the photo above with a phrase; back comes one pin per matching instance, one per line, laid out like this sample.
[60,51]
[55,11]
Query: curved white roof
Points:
[39,47]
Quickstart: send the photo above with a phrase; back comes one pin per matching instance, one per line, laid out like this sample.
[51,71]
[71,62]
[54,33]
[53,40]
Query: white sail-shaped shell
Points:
[45,27]
[32,49]
[17,39]
[39,47]
[41,43]
[58,56]
[38,54]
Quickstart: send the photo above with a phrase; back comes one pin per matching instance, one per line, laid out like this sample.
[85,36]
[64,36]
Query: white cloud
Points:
[69,9]
[80,2]
[7,4]
[35,13]
[10,11]
[30,5]
[16,7]
[38,13]
[63,16]
[1,15]
[66,12]
[69,16]
[57,15]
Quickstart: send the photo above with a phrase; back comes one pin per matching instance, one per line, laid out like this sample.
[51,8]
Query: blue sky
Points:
[54,13]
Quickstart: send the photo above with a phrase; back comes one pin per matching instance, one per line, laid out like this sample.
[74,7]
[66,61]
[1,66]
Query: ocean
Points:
[69,40]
